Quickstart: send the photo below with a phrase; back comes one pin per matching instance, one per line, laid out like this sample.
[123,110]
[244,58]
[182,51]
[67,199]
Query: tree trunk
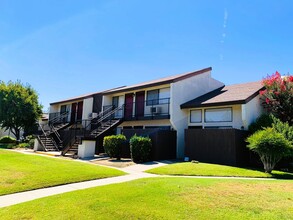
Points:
[16,132]
[269,162]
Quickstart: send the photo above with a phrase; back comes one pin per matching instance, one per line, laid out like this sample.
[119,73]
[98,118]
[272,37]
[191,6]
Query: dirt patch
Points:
[124,162]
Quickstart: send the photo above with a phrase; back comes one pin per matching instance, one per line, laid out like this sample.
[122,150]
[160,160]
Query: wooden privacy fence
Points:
[221,146]
[163,142]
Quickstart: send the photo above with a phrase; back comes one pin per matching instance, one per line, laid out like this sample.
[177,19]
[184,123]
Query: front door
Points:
[139,104]
[76,111]
[128,105]
[79,111]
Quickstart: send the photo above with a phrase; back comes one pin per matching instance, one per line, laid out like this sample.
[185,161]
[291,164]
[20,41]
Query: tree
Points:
[271,146]
[278,96]
[19,107]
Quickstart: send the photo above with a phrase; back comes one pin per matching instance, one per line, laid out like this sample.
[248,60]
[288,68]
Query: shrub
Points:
[284,128]
[7,140]
[8,146]
[263,121]
[113,144]
[270,145]
[23,145]
[140,148]
[30,141]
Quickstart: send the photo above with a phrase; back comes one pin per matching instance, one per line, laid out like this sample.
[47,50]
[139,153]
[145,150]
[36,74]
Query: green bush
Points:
[270,145]
[113,145]
[284,128]
[23,145]
[140,148]
[263,121]
[8,146]
[7,140]
[30,141]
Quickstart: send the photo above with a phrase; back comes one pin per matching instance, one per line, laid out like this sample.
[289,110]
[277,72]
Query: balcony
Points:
[145,110]
[59,117]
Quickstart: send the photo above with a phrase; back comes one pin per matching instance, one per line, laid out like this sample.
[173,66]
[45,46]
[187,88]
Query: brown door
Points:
[73,112]
[139,104]
[76,111]
[79,111]
[128,105]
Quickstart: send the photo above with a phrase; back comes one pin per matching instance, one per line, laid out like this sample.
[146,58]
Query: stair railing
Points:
[106,115]
[44,133]
[59,118]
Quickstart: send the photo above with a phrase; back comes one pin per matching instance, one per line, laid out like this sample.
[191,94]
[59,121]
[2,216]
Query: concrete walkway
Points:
[134,172]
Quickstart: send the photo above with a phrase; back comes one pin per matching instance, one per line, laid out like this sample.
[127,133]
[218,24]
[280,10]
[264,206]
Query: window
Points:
[195,116]
[218,115]
[152,97]
[115,101]
[63,109]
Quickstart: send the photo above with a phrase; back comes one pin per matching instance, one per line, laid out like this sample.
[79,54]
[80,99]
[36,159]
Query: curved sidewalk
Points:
[134,172]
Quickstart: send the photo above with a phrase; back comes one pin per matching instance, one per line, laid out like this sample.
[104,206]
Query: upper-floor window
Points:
[218,115]
[158,96]
[152,97]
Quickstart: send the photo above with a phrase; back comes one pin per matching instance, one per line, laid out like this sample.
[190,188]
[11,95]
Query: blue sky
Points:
[65,48]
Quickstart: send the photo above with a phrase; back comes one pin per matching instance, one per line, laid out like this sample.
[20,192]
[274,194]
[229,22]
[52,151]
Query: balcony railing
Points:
[145,110]
[59,117]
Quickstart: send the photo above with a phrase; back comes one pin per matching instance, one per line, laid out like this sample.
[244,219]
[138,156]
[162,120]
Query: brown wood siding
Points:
[221,146]
[163,142]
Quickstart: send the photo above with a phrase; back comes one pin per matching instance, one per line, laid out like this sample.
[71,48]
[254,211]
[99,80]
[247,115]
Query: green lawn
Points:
[20,172]
[166,198]
[205,169]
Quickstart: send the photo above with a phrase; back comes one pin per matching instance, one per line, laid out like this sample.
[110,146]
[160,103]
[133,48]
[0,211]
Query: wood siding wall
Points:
[221,146]
[163,142]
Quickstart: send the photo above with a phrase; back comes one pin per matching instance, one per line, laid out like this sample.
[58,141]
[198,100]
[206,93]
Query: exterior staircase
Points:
[50,139]
[105,126]
[97,126]
[48,143]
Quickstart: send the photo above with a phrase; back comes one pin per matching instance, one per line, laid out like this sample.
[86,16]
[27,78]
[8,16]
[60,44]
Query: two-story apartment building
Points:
[189,100]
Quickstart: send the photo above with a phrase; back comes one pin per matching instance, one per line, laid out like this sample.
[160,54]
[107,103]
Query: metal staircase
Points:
[96,127]
[50,139]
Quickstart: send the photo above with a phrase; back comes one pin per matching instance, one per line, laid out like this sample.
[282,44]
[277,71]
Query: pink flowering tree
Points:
[278,96]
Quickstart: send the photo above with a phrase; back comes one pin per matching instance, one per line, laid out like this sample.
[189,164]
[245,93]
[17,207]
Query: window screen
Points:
[195,116]
[218,115]
[152,97]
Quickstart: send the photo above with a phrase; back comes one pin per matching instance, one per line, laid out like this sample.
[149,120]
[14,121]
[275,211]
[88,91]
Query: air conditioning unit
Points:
[93,115]
[155,110]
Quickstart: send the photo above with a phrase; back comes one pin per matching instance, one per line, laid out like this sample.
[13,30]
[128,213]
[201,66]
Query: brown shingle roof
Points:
[162,81]
[226,95]
[77,98]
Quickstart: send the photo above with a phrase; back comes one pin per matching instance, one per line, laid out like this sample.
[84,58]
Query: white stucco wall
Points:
[243,115]
[235,123]
[87,108]
[251,110]
[183,91]
[162,122]
[86,149]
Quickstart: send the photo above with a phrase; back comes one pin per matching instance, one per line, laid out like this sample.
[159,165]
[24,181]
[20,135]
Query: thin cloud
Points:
[223,36]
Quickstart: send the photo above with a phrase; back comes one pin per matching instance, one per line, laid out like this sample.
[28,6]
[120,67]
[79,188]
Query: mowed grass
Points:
[20,172]
[206,169]
[166,198]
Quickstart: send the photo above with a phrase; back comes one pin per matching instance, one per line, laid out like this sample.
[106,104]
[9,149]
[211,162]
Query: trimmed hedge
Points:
[140,148]
[7,140]
[113,145]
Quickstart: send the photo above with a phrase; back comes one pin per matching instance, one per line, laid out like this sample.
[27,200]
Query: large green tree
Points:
[19,107]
